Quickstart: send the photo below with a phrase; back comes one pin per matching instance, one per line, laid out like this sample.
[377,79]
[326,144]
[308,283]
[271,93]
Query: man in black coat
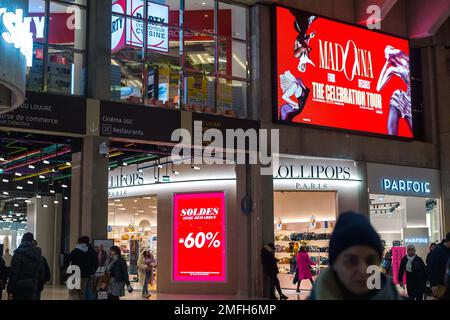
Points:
[25,270]
[271,269]
[437,267]
[416,274]
[84,257]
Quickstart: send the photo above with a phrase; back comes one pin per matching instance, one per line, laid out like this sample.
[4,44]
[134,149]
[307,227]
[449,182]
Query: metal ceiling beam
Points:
[426,17]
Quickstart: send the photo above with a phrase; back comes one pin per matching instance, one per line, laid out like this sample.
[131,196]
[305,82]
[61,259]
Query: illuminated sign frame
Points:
[408,185]
[18,32]
[198,276]
[341,126]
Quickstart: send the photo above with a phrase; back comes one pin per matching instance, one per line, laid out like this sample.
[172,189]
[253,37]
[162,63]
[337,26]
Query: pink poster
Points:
[397,254]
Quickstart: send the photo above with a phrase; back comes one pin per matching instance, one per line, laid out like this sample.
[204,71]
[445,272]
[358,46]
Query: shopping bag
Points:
[295,277]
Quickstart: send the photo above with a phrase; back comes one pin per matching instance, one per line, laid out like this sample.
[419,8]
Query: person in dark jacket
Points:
[3,276]
[86,260]
[432,247]
[437,267]
[45,274]
[416,275]
[271,269]
[118,272]
[354,247]
[25,270]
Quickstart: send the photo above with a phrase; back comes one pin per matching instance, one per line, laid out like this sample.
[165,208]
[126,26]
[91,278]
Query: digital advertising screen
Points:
[199,237]
[335,75]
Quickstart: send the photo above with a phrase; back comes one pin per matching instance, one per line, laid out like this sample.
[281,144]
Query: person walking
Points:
[437,267]
[271,269]
[145,263]
[3,276]
[87,262]
[25,270]
[386,264]
[118,275]
[416,275]
[354,247]
[304,264]
[45,275]
[432,247]
[7,257]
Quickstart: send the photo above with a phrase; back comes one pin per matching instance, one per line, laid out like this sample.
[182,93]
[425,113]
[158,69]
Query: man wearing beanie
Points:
[25,270]
[354,246]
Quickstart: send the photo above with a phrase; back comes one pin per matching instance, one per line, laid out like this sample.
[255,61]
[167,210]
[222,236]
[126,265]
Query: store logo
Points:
[417,240]
[313,172]
[126,180]
[406,186]
[239,145]
[18,32]
[74,280]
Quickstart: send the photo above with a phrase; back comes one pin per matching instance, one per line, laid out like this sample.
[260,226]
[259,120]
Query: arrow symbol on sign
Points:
[93,128]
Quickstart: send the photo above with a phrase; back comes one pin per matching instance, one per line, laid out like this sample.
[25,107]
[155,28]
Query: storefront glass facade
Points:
[196,57]
[59,46]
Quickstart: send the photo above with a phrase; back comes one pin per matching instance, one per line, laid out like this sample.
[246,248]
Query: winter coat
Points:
[3,274]
[45,275]
[328,287]
[438,264]
[303,265]
[25,271]
[416,281]
[118,272]
[269,261]
[82,257]
[142,267]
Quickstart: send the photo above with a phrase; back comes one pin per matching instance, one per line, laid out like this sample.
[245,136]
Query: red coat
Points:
[303,263]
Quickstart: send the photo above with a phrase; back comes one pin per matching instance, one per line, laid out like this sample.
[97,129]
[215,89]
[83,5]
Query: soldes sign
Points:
[332,74]
[199,237]
[17,32]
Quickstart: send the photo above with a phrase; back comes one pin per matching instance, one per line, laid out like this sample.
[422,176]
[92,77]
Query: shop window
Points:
[59,46]
[188,63]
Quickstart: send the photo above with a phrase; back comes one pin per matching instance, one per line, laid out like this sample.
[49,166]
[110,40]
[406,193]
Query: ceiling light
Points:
[125,164]
[16,205]
[64,186]
[176,172]
[111,213]
[27,201]
[31,167]
[159,166]
[121,209]
[196,168]
[136,214]
[2,159]
[56,202]
[135,201]
[141,171]
[117,200]
[45,206]
[5,193]
[152,207]
[19,187]
[5,180]
[140,211]
[110,204]
[18,174]
[39,196]
[68,164]
[66,198]
[52,191]
[30,182]
[41,177]
[46,162]
[147,198]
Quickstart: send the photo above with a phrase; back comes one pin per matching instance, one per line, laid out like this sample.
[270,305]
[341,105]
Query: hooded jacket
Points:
[25,270]
[437,265]
[82,257]
[328,287]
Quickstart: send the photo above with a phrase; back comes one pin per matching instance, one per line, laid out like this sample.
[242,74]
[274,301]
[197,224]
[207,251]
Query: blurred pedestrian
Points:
[304,264]
[25,270]
[119,277]
[3,276]
[87,262]
[145,263]
[271,269]
[416,275]
[7,257]
[432,247]
[437,267]
[354,246]
[45,275]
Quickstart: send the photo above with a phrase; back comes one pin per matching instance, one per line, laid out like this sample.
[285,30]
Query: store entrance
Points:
[132,225]
[303,219]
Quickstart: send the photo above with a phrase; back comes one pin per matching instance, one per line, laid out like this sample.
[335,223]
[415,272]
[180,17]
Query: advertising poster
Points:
[197,90]
[158,33]
[199,242]
[331,74]
[118,26]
